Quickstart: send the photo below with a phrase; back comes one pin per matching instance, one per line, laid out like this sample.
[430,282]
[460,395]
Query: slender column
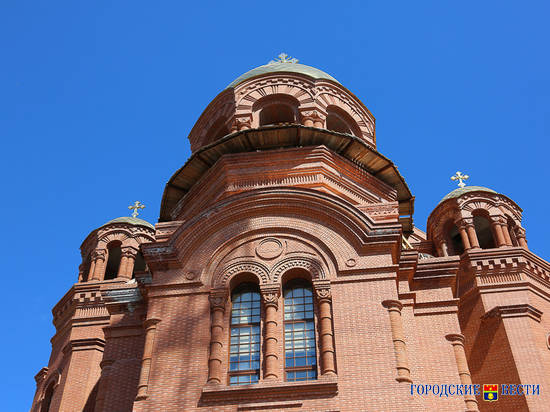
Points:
[99,256]
[503,223]
[104,384]
[326,334]
[520,234]
[442,247]
[270,296]
[127,261]
[471,231]
[399,346]
[150,326]
[497,230]
[92,270]
[507,237]
[80,272]
[217,309]
[457,340]
[464,235]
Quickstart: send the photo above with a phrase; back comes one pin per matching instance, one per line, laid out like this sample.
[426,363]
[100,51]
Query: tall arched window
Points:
[484,232]
[113,262]
[47,401]
[300,354]
[244,358]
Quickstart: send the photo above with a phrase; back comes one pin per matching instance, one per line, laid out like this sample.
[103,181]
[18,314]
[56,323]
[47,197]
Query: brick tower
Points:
[285,273]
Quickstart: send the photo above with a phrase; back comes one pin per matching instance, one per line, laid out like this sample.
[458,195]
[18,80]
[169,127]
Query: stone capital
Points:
[322,290]
[99,254]
[455,338]
[270,295]
[218,299]
[392,304]
[129,251]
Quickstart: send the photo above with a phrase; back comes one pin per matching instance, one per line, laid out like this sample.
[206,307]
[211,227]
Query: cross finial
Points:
[284,58]
[135,207]
[460,177]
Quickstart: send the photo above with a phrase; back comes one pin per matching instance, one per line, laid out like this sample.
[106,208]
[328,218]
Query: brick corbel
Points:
[513,311]
[84,344]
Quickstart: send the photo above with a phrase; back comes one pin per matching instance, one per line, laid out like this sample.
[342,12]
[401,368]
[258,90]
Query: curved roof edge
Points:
[130,220]
[277,137]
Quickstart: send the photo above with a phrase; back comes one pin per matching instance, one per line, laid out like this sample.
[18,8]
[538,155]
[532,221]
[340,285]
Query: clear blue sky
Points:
[97,99]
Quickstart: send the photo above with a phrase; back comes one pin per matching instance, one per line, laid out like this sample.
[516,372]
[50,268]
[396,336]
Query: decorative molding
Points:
[513,311]
[218,299]
[270,295]
[311,265]
[221,278]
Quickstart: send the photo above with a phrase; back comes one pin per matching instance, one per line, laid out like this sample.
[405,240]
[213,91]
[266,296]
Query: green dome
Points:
[466,189]
[130,220]
[283,68]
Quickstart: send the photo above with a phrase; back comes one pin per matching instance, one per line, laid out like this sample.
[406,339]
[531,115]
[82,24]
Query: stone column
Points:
[270,297]
[399,346]
[99,257]
[312,118]
[471,231]
[81,272]
[326,334]
[461,226]
[520,235]
[217,308]
[127,261]
[505,232]
[150,326]
[442,248]
[497,230]
[457,340]
[106,367]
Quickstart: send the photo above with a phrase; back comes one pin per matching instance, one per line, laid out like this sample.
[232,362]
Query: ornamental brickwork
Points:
[284,188]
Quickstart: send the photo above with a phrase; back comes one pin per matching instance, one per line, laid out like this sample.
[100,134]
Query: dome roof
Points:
[283,67]
[130,220]
[466,189]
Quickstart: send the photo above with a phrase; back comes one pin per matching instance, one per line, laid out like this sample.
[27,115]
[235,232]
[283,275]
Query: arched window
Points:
[217,130]
[340,121]
[484,232]
[276,114]
[300,353]
[454,240]
[111,270]
[139,265]
[244,348]
[47,401]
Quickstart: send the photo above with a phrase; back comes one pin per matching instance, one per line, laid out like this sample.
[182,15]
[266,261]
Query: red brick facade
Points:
[285,183]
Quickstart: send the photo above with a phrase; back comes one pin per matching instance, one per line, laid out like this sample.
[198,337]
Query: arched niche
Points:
[217,130]
[483,229]
[275,109]
[339,121]
[113,260]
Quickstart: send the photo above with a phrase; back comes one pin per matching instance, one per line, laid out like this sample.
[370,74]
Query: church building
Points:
[285,274]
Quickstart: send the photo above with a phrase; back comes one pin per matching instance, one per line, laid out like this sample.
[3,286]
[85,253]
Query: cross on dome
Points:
[460,177]
[135,207]
[284,58]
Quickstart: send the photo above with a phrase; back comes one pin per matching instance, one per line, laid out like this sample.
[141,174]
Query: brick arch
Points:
[312,265]
[221,278]
[299,89]
[117,234]
[329,97]
[472,206]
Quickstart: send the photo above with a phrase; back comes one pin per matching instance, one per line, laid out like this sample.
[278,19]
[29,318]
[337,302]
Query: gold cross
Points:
[284,58]
[460,177]
[135,207]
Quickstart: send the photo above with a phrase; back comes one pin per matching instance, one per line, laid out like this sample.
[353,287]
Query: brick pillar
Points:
[312,118]
[471,231]
[217,309]
[150,326]
[504,225]
[104,383]
[457,340]
[326,334]
[81,272]
[442,248]
[497,230]
[127,261]
[270,297]
[461,226]
[520,235]
[399,346]
[97,269]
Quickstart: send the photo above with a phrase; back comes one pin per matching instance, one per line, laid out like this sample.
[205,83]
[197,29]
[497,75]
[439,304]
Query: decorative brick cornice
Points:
[322,387]
[513,311]
[84,344]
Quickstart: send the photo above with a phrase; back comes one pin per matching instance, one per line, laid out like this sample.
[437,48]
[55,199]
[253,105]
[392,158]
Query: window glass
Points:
[244,347]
